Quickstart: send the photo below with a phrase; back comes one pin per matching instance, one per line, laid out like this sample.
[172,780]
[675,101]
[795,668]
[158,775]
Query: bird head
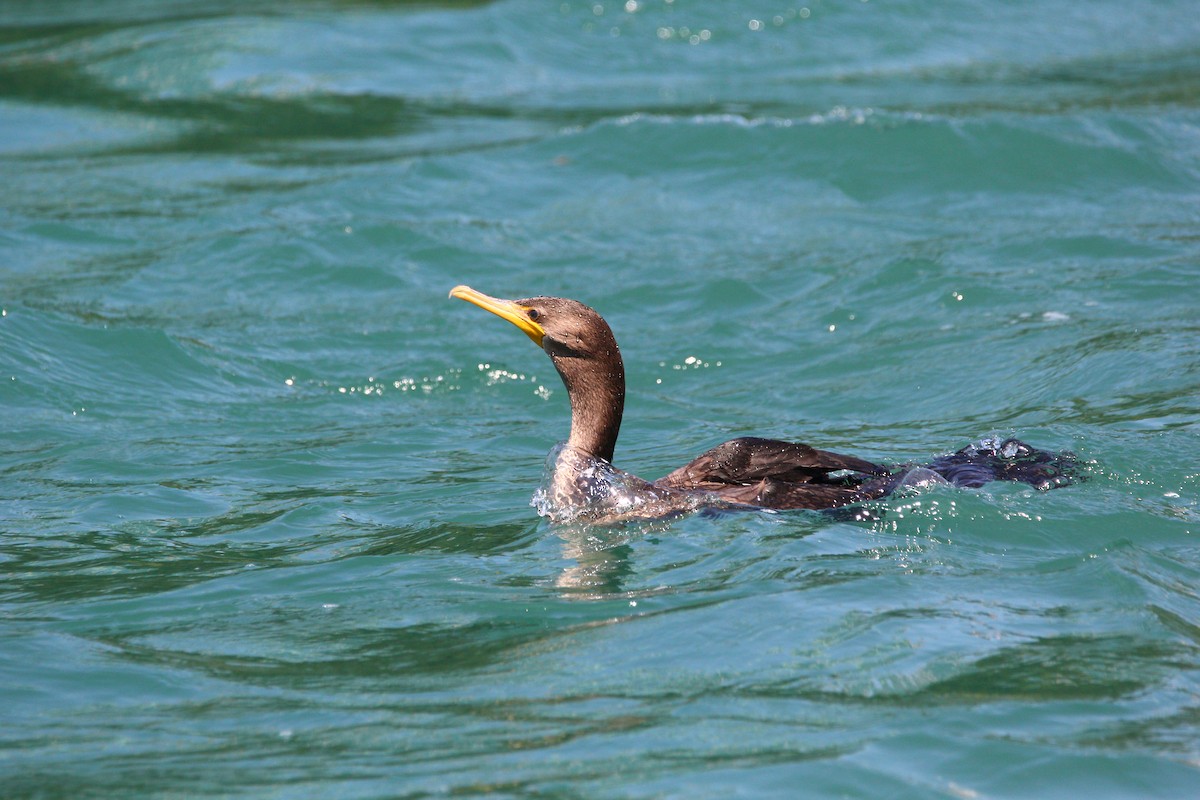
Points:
[563,328]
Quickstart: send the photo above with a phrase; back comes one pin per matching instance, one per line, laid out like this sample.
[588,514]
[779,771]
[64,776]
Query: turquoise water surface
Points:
[265,522]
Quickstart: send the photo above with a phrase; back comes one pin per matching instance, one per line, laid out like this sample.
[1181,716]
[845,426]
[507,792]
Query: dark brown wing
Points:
[781,495]
[774,474]
[750,459]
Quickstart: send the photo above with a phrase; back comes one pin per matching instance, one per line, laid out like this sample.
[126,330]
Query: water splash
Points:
[995,459]
[578,487]
[919,478]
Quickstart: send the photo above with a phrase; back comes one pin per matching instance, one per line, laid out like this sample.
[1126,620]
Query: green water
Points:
[264,491]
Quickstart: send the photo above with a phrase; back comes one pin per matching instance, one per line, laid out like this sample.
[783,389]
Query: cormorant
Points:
[747,472]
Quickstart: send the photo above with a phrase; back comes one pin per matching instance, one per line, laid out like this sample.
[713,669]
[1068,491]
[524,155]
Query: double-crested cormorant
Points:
[744,472]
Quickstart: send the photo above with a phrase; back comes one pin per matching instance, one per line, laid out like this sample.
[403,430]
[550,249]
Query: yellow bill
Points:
[515,313]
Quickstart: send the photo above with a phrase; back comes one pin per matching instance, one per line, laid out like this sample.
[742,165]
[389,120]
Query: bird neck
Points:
[597,393]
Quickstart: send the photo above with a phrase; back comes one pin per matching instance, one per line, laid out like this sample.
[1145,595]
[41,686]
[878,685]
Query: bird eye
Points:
[534,314]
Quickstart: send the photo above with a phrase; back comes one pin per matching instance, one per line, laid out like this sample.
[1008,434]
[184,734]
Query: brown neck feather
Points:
[596,386]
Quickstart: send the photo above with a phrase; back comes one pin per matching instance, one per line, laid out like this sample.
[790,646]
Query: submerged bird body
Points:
[747,472]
